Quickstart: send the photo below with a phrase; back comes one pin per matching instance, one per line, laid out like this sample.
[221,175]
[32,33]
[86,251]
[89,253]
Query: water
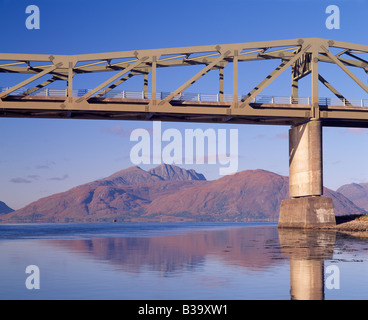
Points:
[190,261]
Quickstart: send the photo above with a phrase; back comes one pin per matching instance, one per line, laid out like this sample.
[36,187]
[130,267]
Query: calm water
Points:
[181,261]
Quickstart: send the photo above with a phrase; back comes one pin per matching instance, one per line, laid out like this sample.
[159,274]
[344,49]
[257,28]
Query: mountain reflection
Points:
[251,248]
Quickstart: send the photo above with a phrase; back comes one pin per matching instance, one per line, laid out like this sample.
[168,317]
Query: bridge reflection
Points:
[256,251]
[307,251]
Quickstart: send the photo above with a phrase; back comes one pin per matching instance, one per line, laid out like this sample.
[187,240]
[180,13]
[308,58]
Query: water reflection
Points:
[230,262]
[252,248]
[307,251]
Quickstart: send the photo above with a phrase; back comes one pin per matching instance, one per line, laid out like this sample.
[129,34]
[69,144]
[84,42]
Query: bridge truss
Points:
[302,56]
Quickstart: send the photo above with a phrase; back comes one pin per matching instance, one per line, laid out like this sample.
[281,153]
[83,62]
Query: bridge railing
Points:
[189,96]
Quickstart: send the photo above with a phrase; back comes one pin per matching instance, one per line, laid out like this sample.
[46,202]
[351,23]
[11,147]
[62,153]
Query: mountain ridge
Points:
[171,193]
[4,208]
[356,192]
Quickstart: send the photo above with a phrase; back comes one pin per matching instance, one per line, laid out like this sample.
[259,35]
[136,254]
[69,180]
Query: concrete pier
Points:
[305,160]
[306,207]
[308,212]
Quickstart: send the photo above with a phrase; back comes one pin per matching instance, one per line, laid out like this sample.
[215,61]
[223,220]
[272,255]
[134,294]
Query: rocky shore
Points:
[356,227]
[353,222]
[353,226]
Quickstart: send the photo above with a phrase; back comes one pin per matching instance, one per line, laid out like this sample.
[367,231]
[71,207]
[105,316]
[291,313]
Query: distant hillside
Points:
[170,193]
[123,196]
[247,195]
[358,193]
[4,209]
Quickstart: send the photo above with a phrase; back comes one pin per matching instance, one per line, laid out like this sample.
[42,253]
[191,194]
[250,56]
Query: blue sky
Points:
[42,157]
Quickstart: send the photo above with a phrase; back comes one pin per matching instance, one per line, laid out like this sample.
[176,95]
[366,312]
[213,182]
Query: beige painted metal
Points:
[302,55]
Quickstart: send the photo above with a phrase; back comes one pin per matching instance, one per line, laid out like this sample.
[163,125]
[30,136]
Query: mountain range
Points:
[358,193]
[4,209]
[170,193]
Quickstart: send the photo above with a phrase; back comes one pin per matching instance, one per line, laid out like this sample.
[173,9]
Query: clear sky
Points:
[42,157]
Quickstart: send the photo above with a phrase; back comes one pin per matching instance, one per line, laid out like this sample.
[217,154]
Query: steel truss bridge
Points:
[35,98]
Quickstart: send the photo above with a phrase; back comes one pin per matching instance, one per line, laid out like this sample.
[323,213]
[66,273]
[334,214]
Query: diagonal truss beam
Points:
[25,82]
[346,70]
[356,57]
[40,86]
[194,78]
[112,79]
[117,83]
[333,90]
[271,77]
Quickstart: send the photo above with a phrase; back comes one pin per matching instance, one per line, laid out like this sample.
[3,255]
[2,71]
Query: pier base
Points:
[307,212]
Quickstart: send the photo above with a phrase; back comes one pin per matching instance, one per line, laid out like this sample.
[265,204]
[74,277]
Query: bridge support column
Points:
[306,207]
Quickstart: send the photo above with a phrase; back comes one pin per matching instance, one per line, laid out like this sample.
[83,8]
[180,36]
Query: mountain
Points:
[4,209]
[357,193]
[129,176]
[247,195]
[170,193]
[137,176]
[169,172]
[123,195]
[253,194]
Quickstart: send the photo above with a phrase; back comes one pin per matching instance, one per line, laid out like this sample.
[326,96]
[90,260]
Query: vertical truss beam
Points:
[221,84]
[294,86]
[235,78]
[145,85]
[70,82]
[315,83]
[154,79]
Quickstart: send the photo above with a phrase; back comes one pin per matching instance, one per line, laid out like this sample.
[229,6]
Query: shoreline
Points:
[352,223]
[354,228]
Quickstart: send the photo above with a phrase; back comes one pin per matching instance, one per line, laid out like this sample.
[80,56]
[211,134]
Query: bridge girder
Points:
[302,55]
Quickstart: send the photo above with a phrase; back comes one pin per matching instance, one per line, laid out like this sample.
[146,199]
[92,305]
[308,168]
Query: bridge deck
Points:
[179,110]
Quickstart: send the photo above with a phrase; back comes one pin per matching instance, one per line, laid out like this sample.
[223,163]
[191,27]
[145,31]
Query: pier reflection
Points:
[254,250]
[307,251]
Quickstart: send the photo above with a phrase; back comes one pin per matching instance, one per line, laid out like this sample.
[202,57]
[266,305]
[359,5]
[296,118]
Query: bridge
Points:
[35,97]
